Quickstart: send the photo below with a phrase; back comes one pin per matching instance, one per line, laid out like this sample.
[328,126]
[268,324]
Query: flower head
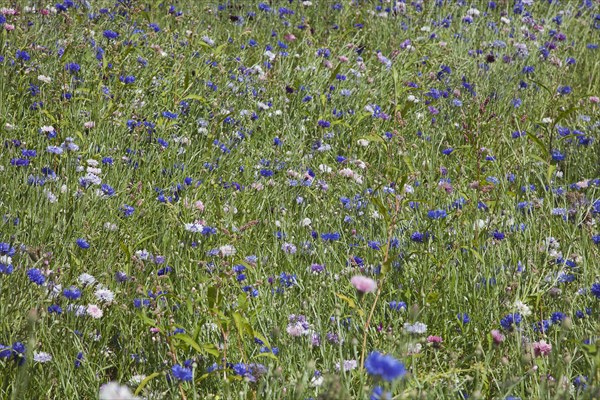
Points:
[385,367]
[363,284]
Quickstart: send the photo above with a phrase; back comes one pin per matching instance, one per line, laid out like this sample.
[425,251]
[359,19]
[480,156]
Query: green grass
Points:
[269,175]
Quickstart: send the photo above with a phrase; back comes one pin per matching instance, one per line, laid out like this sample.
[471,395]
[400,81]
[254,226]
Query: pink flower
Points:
[541,348]
[9,27]
[434,339]
[44,11]
[94,311]
[497,336]
[594,99]
[363,284]
[289,37]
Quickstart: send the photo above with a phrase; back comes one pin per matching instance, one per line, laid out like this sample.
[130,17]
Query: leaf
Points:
[267,354]
[477,256]
[145,382]
[543,86]
[145,239]
[47,114]
[212,293]
[148,321]
[549,172]
[260,337]
[386,266]
[208,348]
[565,114]
[242,325]
[539,144]
[347,299]
[334,73]
[408,161]
[374,138]
[382,210]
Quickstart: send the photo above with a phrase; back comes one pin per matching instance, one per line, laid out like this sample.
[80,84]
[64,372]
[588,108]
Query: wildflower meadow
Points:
[325,199]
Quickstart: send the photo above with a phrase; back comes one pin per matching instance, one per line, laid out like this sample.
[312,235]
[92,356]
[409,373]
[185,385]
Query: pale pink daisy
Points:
[94,311]
[497,336]
[541,348]
[363,284]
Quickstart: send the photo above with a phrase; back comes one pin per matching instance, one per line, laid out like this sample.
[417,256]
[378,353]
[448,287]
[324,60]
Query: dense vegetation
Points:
[296,199]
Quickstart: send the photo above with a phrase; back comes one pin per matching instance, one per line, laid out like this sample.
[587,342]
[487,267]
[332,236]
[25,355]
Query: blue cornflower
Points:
[498,235]
[595,290]
[464,318]
[182,373]
[36,276]
[528,69]
[564,90]
[557,317]
[384,366]
[82,243]
[55,309]
[72,67]
[437,214]
[379,394]
[323,123]
[110,34]
[127,210]
[169,115]
[107,189]
[417,237]
[127,79]
[22,55]
[447,151]
[330,237]
[557,155]
[509,320]
[398,305]
[72,293]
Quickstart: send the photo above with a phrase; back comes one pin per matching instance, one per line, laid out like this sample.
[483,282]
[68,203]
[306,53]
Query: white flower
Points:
[86,279]
[522,308]
[44,78]
[94,311]
[349,365]
[547,120]
[194,227]
[109,226]
[363,142]
[42,357]
[227,250]
[324,168]
[104,295]
[414,348]
[346,173]
[5,260]
[305,222]
[47,128]
[208,41]
[316,381]
[416,328]
[115,391]
[479,224]
[50,196]
[143,254]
